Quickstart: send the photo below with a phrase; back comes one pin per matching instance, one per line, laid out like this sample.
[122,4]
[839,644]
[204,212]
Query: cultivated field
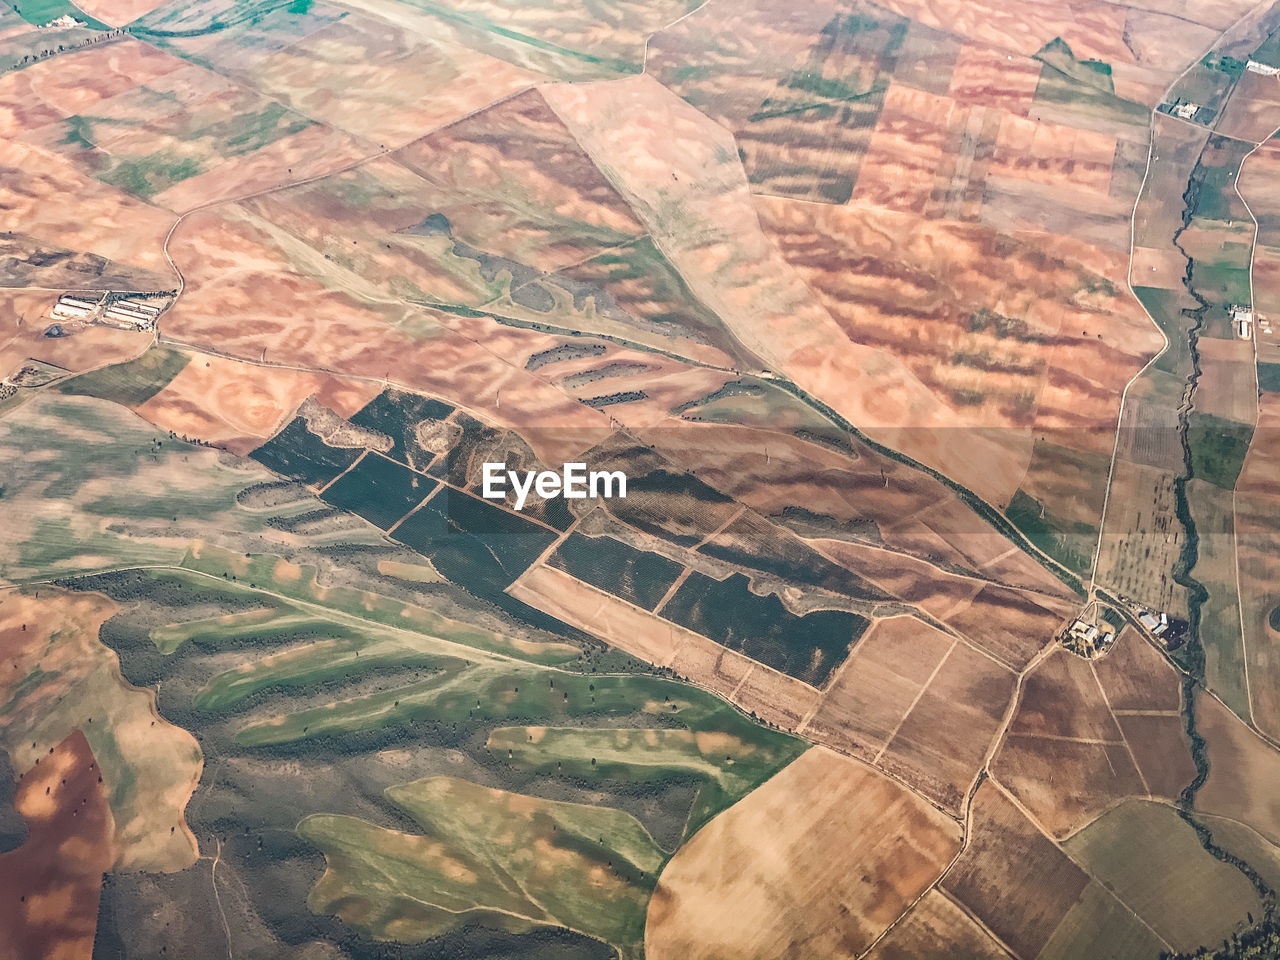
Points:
[791,856]
[1013,878]
[52,881]
[936,927]
[1179,890]
[63,680]
[479,852]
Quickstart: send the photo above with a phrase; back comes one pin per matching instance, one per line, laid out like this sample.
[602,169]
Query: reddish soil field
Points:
[1242,771]
[117,13]
[821,859]
[75,82]
[312,152]
[57,203]
[1066,783]
[1160,746]
[868,698]
[1137,677]
[906,151]
[49,886]
[936,929]
[913,512]
[942,741]
[525,149]
[910,580]
[386,82]
[985,76]
[1009,625]
[239,405]
[1061,698]
[243,296]
[1011,877]
[1253,112]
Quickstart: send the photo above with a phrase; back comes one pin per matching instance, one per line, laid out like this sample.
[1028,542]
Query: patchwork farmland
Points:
[921,332]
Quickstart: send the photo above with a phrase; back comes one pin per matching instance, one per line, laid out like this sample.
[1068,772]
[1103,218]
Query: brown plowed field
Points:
[1253,112]
[382,81]
[1066,783]
[1009,625]
[912,512]
[942,742]
[910,580]
[312,152]
[59,87]
[243,295]
[526,151]
[56,202]
[1061,698]
[1159,744]
[867,700]
[1241,767]
[1227,387]
[1012,877]
[936,929]
[49,886]
[814,863]
[117,13]
[680,172]
[1136,676]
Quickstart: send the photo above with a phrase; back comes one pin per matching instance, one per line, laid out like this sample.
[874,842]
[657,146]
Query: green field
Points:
[1099,927]
[265,620]
[1083,86]
[488,691]
[379,490]
[1069,543]
[1152,860]
[355,606]
[480,850]
[311,665]
[730,763]
[1218,448]
[1269,377]
[297,453]
[133,383]
[637,576]
[1220,632]
[807,647]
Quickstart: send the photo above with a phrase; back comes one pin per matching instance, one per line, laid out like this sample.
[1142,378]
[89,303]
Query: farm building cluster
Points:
[1092,633]
[1243,319]
[130,311]
[63,22]
[1171,631]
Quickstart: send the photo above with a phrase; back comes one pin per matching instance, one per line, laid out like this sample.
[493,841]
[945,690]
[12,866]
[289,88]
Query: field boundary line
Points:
[681,577]
[1008,795]
[1133,757]
[412,510]
[915,700]
[351,466]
